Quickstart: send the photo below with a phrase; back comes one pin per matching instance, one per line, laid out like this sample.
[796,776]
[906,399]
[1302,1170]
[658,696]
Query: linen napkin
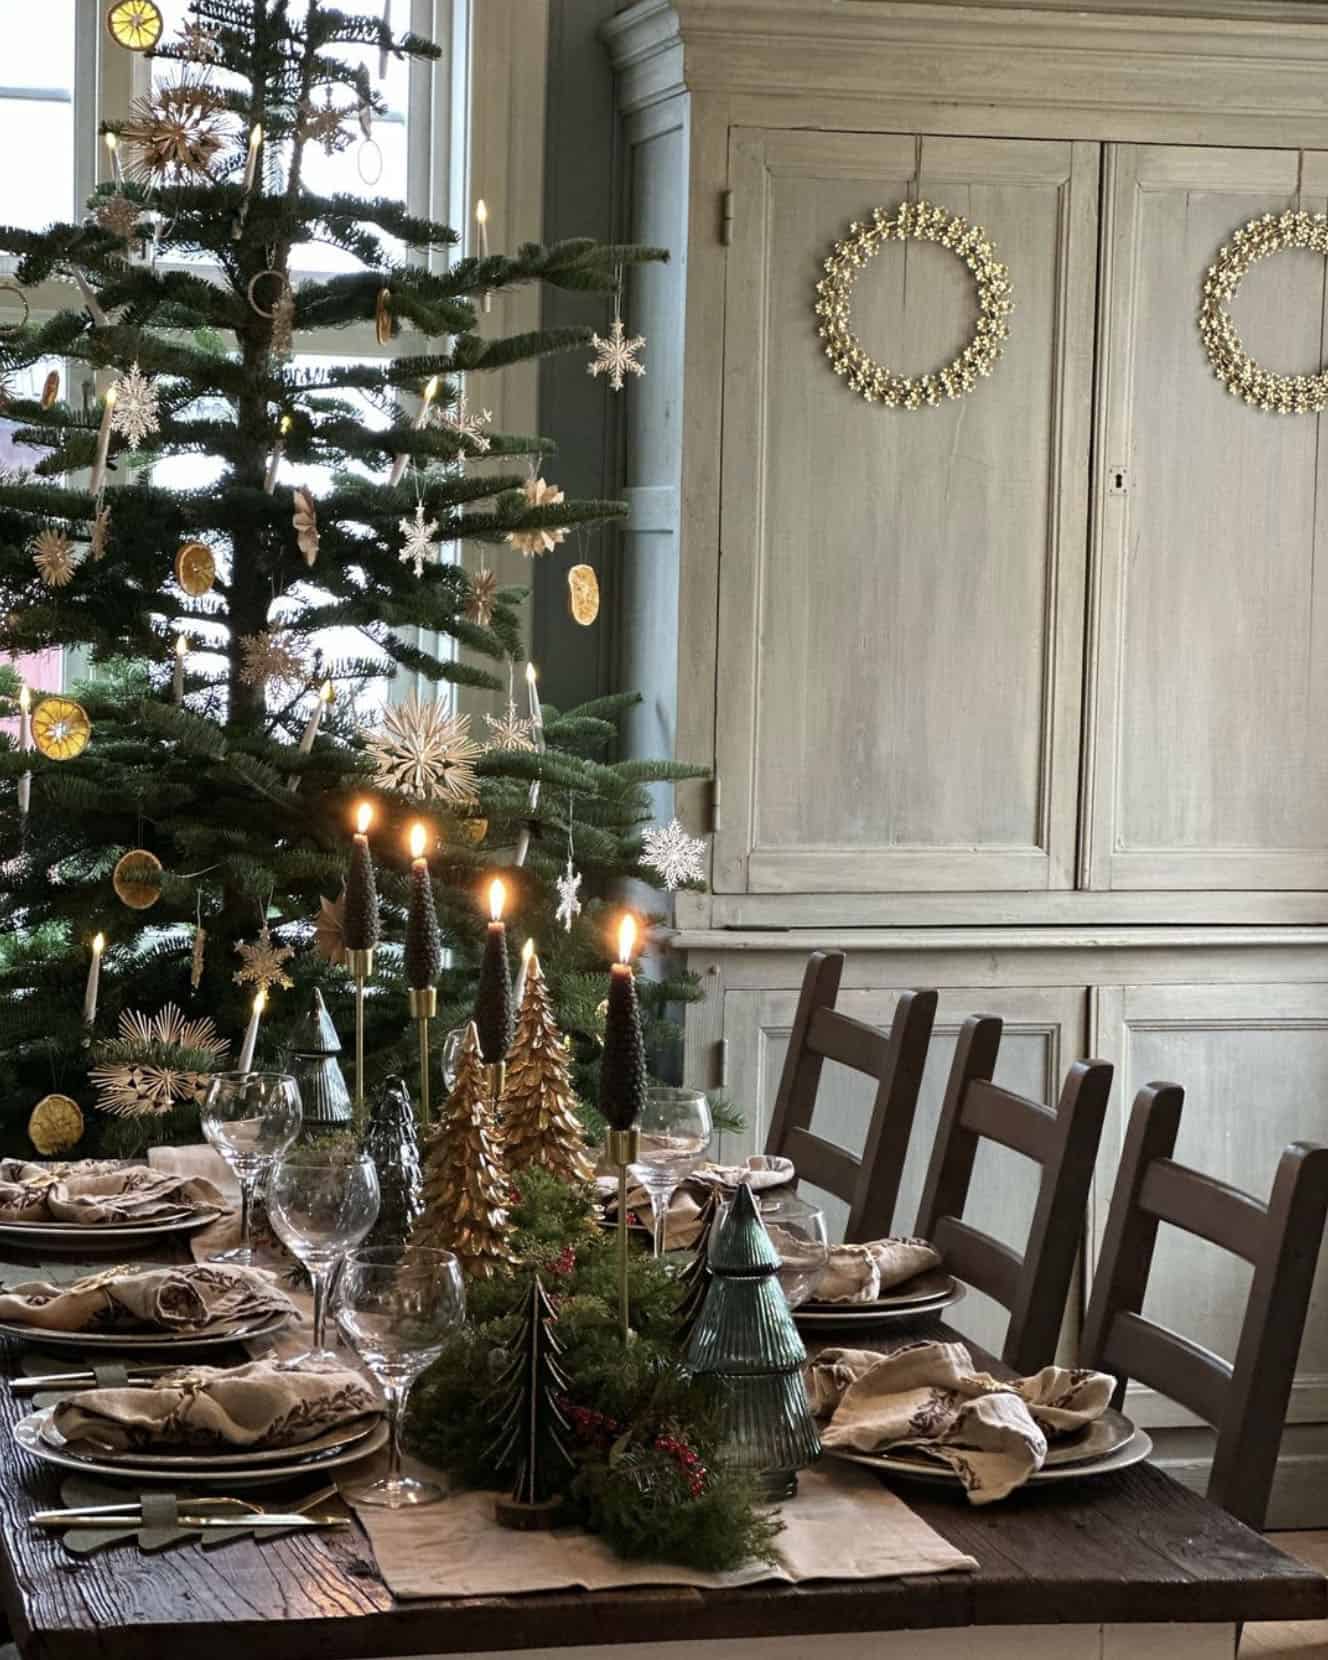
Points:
[860,1273]
[191,1298]
[992,1432]
[684,1219]
[98,1191]
[251,1406]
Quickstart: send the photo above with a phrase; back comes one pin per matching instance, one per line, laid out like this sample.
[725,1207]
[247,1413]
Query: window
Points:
[37,121]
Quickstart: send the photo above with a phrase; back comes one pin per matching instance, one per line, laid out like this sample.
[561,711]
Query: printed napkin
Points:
[98,1191]
[861,1273]
[684,1218]
[190,1298]
[991,1432]
[252,1406]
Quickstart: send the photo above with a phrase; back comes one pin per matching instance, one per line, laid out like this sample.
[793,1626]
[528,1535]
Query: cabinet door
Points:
[901,592]
[1254,1063]
[1210,644]
[1045,1030]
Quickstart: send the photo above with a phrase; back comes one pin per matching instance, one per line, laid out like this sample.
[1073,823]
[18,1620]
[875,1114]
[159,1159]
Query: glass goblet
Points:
[675,1132]
[396,1307]
[798,1232]
[321,1204]
[250,1118]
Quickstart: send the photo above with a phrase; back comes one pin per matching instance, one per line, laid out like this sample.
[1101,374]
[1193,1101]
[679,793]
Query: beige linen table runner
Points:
[842,1525]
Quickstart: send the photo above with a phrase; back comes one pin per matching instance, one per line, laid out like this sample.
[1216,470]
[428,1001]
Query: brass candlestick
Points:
[496,1076]
[423,1007]
[623,1148]
[361,965]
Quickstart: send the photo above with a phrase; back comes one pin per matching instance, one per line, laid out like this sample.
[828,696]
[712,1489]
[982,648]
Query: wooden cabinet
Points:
[1024,696]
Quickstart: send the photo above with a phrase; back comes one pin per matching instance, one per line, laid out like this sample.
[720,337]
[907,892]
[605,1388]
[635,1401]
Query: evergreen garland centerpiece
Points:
[191,342]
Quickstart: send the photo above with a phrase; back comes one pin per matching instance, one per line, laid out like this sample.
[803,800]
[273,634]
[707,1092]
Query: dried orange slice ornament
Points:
[60,728]
[56,1125]
[383,316]
[136,24]
[583,594]
[50,389]
[137,879]
[195,568]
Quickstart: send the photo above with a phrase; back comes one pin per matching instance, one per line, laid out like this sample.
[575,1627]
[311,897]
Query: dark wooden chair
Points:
[1244,1402]
[869,1185]
[1063,1140]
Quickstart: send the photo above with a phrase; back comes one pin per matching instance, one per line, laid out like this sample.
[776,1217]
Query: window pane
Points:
[41,50]
[37,134]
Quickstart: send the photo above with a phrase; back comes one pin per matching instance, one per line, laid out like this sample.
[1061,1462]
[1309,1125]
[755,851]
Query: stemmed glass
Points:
[798,1232]
[396,1307]
[675,1132]
[250,1118]
[321,1204]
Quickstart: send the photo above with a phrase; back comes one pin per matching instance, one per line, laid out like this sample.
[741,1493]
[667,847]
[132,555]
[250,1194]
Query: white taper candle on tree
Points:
[94,981]
[251,1032]
[482,244]
[274,460]
[527,952]
[177,678]
[399,464]
[103,444]
[537,727]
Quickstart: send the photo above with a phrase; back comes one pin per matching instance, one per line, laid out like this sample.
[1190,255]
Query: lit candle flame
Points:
[98,945]
[418,837]
[431,390]
[530,674]
[112,144]
[260,1001]
[326,693]
[626,938]
[287,422]
[527,952]
[481,212]
[363,817]
[255,135]
[497,899]
[111,397]
[24,699]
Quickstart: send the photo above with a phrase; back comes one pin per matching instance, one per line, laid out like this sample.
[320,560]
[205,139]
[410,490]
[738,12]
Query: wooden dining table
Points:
[1130,1566]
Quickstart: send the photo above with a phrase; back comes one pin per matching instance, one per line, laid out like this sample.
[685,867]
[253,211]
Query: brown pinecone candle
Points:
[622,1072]
[493,1000]
[361,930]
[424,947]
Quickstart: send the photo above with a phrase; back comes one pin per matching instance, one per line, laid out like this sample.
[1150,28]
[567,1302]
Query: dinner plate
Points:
[842,1316]
[86,1236]
[917,1467]
[924,1288]
[27,1432]
[240,1331]
[344,1435]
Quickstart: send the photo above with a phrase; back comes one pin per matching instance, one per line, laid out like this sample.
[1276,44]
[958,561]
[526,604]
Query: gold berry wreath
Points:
[1269,233]
[920,222]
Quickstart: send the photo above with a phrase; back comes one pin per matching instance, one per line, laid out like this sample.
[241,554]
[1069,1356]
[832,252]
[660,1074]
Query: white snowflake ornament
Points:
[569,896]
[419,547]
[136,412]
[467,425]
[423,751]
[616,356]
[678,857]
[510,731]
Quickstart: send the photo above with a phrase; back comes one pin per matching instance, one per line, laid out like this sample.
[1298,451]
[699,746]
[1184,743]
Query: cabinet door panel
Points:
[1044,1030]
[1210,649]
[901,596]
[1253,1060]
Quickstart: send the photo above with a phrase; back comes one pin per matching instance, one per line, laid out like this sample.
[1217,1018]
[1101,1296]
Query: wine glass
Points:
[798,1232]
[396,1307]
[321,1203]
[675,1132]
[249,1117]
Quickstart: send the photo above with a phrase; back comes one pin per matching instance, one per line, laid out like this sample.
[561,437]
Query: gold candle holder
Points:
[423,1007]
[623,1148]
[361,965]
[495,1075]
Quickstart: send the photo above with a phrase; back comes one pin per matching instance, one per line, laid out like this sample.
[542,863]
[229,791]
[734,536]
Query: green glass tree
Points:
[392,1142]
[193,314]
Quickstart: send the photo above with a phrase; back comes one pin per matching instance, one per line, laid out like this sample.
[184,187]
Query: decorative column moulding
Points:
[1190,70]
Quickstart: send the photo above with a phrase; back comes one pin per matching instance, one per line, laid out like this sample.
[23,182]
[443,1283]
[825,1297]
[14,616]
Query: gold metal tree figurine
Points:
[540,1123]
[465,1187]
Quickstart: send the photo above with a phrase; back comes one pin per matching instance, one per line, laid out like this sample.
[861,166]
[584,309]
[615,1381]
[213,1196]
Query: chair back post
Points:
[801,1077]
[1250,1435]
[1126,1256]
[951,1168]
[872,1212]
[1058,1218]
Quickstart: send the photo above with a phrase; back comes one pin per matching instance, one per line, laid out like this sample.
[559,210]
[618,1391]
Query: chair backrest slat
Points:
[869,1185]
[1244,1401]
[1034,1286]
[1211,1209]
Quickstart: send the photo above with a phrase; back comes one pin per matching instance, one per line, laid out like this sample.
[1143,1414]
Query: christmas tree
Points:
[220,740]
[540,1123]
[465,1187]
[533,1433]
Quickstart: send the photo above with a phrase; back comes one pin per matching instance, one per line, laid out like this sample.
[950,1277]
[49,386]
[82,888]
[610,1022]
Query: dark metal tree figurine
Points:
[391,1141]
[532,1427]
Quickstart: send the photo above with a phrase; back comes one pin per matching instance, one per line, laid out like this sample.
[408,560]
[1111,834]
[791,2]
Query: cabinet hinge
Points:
[713,814]
[721,1063]
[726,218]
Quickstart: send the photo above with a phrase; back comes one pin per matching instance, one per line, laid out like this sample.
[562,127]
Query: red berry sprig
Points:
[693,1470]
